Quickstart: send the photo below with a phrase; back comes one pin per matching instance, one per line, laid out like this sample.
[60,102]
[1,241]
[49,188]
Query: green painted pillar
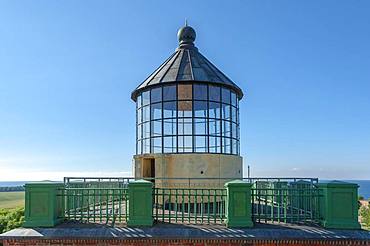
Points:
[44,204]
[338,206]
[140,203]
[238,204]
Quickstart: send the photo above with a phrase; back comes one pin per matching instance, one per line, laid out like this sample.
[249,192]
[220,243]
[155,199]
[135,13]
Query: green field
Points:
[11,199]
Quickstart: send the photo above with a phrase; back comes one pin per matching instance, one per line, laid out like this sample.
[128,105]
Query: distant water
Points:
[12,183]
[364,189]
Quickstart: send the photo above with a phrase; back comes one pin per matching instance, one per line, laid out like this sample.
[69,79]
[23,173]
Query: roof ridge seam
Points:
[178,70]
[214,68]
[169,67]
[191,65]
[152,76]
[210,67]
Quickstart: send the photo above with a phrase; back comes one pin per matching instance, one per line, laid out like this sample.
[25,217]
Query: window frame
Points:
[218,135]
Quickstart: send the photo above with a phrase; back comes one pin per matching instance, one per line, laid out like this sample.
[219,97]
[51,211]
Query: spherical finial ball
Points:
[186,34]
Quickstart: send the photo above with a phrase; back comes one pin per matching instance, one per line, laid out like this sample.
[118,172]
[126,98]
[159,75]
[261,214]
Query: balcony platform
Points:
[162,233]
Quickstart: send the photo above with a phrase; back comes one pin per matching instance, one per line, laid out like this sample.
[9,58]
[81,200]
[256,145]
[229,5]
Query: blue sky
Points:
[67,69]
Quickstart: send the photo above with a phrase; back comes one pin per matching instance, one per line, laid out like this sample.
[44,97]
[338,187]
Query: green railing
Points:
[189,206]
[283,202]
[122,182]
[276,200]
[238,204]
[98,205]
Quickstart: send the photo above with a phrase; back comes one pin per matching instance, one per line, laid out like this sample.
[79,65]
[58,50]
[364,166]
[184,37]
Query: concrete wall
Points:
[215,166]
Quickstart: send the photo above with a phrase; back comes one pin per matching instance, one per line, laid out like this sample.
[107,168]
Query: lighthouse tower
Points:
[187,120]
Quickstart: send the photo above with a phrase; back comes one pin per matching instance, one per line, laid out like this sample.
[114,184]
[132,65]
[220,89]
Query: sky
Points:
[67,69]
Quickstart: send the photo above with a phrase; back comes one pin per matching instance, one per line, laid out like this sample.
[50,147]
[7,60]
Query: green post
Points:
[238,204]
[338,205]
[140,203]
[44,204]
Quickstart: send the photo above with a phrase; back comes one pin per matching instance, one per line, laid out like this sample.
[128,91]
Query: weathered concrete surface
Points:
[164,231]
[194,165]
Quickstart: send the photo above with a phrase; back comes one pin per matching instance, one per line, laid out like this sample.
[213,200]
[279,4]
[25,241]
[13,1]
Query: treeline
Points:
[365,217]
[11,188]
[11,218]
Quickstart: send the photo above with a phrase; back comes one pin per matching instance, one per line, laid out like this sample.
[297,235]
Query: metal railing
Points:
[189,206]
[97,205]
[192,200]
[283,202]
[162,182]
[96,182]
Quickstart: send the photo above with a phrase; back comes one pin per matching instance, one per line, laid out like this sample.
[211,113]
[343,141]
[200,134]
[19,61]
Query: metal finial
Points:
[186,36]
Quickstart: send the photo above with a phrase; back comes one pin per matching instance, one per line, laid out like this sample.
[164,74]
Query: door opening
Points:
[149,168]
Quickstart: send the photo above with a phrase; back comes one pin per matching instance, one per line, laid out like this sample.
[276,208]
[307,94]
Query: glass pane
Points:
[169,110]
[185,108]
[180,142]
[226,129]
[146,129]
[214,110]
[156,94]
[215,144]
[139,132]
[185,91]
[234,147]
[200,92]
[146,97]
[146,113]
[139,116]
[237,116]
[214,127]
[226,112]
[138,101]
[169,126]
[185,143]
[200,126]
[233,99]
[214,93]
[146,146]
[188,144]
[226,95]
[200,109]
[138,147]
[234,114]
[169,93]
[200,144]
[156,128]
[234,130]
[156,145]
[169,144]
[156,111]
[185,126]
[226,146]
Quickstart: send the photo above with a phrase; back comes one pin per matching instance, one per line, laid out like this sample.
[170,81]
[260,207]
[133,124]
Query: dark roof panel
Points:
[187,64]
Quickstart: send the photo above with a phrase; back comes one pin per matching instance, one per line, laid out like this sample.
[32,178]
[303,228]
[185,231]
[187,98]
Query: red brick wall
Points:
[188,242]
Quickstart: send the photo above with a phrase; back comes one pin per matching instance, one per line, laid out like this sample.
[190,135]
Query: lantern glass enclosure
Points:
[188,118]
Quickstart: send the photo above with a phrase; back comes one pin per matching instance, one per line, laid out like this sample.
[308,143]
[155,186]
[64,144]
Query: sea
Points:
[364,189]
